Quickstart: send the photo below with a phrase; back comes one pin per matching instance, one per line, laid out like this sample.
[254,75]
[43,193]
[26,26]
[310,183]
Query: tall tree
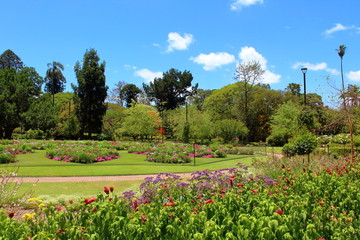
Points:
[18,89]
[341,52]
[91,92]
[130,93]
[115,95]
[248,74]
[55,80]
[9,59]
[171,90]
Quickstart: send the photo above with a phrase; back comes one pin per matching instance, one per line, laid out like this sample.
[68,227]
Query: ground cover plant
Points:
[81,153]
[229,203]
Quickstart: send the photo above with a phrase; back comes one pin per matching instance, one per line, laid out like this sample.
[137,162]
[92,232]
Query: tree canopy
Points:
[171,90]
[10,60]
[90,93]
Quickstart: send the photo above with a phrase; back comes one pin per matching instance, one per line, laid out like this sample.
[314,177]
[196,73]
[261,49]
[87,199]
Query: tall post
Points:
[304,73]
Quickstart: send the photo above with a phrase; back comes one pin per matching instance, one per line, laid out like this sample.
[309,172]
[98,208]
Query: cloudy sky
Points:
[141,39]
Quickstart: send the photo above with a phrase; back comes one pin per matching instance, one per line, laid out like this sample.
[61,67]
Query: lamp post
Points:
[304,73]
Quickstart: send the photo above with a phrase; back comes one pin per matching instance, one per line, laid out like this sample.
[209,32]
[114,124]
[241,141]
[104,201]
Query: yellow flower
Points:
[38,201]
[34,202]
[28,216]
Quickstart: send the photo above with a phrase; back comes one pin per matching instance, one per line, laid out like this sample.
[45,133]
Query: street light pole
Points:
[304,73]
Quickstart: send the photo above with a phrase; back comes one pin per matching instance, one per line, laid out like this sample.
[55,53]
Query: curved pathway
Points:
[90,178]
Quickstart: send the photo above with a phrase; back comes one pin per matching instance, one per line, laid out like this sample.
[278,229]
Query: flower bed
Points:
[224,204]
[81,153]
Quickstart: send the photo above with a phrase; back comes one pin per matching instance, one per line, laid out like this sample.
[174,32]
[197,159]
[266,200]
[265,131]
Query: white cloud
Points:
[178,42]
[213,60]
[130,67]
[316,67]
[248,54]
[156,45]
[239,4]
[338,27]
[353,76]
[270,77]
[148,75]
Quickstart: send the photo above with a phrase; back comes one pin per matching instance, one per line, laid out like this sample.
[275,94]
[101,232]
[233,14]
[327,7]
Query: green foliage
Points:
[9,59]
[220,103]
[306,206]
[19,87]
[341,139]
[42,115]
[129,93]
[35,134]
[140,121]
[284,124]
[171,90]
[71,128]
[112,120]
[90,93]
[301,145]
[198,126]
[55,80]
[229,129]
[198,99]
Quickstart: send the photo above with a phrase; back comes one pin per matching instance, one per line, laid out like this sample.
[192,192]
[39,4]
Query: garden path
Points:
[91,178]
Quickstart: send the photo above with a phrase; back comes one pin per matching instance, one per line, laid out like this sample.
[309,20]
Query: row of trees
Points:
[171,105]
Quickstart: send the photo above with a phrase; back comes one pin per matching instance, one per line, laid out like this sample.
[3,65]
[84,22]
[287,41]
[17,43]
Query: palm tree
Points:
[55,79]
[341,53]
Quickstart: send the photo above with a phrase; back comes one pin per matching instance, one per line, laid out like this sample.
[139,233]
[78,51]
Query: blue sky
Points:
[140,39]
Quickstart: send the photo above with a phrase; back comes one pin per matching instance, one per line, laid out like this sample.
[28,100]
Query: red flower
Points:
[71,201]
[135,204]
[209,201]
[240,185]
[61,231]
[231,182]
[11,214]
[143,217]
[106,190]
[59,208]
[88,201]
[233,176]
[164,185]
[171,199]
[169,204]
[279,211]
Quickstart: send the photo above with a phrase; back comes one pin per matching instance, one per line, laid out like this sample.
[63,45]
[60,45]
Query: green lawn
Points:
[74,190]
[36,165]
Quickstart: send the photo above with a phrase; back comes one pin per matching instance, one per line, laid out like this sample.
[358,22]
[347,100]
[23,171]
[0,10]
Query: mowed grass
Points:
[37,165]
[64,191]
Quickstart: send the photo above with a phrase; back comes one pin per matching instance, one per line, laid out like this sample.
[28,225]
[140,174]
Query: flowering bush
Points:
[225,204]
[81,153]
